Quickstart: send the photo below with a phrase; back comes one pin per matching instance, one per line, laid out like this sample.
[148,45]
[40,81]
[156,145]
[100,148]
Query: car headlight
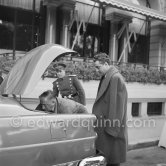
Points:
[93,161]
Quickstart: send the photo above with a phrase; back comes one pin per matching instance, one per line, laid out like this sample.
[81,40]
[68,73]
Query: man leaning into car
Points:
[51,104]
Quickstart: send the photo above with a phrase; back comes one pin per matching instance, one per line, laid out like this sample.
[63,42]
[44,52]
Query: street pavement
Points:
[151,156]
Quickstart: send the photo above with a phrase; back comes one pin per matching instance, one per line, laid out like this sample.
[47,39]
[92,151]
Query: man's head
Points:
[102,62]
[48,101]
[60,69]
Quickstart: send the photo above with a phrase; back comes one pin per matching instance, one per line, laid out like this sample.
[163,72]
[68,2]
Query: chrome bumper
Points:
[90,161]
[94,161]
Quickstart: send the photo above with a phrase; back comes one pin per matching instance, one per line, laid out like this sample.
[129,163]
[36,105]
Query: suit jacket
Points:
[66,106]
[110,108]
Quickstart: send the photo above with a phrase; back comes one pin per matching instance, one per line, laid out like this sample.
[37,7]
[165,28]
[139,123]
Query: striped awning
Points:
[125,5]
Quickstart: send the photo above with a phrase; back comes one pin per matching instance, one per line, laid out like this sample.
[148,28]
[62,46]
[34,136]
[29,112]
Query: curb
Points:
[143,145]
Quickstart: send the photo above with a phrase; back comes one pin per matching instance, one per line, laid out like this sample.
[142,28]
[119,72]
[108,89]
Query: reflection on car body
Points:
[33,138]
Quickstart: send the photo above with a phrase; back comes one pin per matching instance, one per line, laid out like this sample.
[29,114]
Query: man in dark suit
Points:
[110,108]
[68,86]
[51,104]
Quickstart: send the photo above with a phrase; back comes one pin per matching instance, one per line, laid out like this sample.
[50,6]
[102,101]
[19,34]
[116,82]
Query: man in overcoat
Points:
[110,108]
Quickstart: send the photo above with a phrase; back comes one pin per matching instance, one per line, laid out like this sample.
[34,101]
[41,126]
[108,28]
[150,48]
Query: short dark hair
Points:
[46,94]
[102,58]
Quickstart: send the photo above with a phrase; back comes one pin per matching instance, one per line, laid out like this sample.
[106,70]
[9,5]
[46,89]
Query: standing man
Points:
[68,86]
[110,108]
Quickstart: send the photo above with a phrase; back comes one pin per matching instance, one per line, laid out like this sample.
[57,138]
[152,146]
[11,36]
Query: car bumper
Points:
[92,161]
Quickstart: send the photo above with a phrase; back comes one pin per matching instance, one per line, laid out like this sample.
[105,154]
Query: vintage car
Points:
[35,138]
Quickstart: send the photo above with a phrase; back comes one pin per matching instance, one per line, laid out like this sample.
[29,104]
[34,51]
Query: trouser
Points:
[97,152]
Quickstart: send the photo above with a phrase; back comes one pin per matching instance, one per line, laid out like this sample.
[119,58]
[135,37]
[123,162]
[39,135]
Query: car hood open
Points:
[26,73]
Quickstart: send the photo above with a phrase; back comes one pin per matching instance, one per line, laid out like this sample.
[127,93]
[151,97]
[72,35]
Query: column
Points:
[164,109]
[129,108]
[143,109]
[51,25]
[113,43]
[157,44]
[66,36]
[64,32]
[66,18]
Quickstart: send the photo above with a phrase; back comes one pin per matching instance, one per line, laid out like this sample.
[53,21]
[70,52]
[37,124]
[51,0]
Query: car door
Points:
[33,138]
[72,136]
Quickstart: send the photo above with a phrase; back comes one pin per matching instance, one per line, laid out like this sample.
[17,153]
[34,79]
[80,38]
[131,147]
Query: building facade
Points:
[128,30]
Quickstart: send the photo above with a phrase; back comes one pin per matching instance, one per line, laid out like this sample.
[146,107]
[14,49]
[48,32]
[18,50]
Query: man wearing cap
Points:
[67,86]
